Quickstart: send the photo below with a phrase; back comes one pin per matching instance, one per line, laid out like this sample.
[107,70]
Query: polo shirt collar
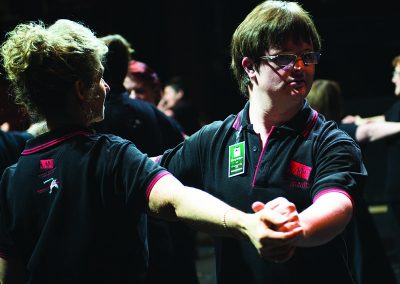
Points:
[301,123]
[55,137]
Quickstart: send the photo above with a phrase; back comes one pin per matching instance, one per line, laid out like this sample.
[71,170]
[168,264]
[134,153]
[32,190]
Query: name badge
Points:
[236,159]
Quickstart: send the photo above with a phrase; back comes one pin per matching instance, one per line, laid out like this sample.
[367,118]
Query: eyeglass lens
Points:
[288,60]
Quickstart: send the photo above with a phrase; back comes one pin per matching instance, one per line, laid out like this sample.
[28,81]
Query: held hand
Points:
[285,208]
[275,250]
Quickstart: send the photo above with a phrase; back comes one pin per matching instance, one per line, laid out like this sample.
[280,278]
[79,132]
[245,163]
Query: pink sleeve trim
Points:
[154,181]
[333,190]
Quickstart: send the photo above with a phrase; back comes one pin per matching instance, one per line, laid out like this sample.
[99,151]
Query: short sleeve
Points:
[339,166]
[134,173]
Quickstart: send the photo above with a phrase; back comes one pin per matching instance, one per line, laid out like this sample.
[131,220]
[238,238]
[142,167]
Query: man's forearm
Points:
[325,219]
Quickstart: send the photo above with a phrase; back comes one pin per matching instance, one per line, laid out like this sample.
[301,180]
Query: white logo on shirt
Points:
[53,184]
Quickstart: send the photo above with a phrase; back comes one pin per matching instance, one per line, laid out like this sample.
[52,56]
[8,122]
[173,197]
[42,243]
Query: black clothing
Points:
[392,187]
[153,133]
[370,262]
[11,145]
[74,208]
[349,128]
[187,116]
[140,122]
[301,160]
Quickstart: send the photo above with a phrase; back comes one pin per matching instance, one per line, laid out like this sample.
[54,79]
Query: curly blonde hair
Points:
[43,63]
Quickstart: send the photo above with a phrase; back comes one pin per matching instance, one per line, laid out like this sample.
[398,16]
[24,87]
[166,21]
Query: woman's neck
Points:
[55,123]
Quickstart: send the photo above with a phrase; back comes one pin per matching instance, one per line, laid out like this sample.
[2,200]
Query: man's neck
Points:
[264,117]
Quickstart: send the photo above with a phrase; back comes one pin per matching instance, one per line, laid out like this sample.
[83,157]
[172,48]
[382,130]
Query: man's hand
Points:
[278,248]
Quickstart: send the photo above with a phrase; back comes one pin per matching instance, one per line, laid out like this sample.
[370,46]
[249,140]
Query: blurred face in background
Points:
[140,89]
[171,96]
[396,80]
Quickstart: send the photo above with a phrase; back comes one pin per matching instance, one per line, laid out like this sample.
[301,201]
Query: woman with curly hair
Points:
[72,210]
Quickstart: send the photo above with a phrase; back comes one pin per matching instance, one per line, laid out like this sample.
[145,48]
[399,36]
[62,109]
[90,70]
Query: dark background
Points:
[191,38]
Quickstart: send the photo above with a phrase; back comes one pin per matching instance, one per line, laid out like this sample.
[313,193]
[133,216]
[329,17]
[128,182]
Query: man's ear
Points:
[248,66]
[79,90]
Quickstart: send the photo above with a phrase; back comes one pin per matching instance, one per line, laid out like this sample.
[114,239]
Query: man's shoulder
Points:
[329,133]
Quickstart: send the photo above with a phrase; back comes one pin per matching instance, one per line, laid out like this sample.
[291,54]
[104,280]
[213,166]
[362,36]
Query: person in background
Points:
[142,82]
[12,135]
[393,114]
[152,132]
[326,97]
[277,146]
[11,145]
[12,117]
[391,183]
[72,210]
[175,103]
[135,120]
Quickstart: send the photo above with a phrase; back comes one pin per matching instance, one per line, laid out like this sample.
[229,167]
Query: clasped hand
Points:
[278,229]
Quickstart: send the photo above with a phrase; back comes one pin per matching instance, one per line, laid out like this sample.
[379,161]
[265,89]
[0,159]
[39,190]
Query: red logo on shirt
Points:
[299,170]
[46,164]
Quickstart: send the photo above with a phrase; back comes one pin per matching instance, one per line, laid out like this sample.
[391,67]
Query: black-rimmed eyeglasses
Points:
[288,60]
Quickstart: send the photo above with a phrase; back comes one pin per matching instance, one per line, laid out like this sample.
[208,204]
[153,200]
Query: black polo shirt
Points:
[73,208]
[301,160]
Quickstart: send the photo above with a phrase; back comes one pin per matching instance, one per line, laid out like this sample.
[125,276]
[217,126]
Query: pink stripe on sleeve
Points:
[154,181]
[333,190]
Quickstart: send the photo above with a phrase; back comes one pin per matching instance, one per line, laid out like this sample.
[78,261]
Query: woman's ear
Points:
[179,95]
[79,90]
[248,66]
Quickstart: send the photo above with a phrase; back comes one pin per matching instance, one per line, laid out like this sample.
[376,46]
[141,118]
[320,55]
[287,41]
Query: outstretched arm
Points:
[376,130]
[325,219]
[171,200]
[321,222]
[362,120]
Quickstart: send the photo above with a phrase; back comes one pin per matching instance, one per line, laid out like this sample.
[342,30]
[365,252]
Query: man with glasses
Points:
[278,148]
